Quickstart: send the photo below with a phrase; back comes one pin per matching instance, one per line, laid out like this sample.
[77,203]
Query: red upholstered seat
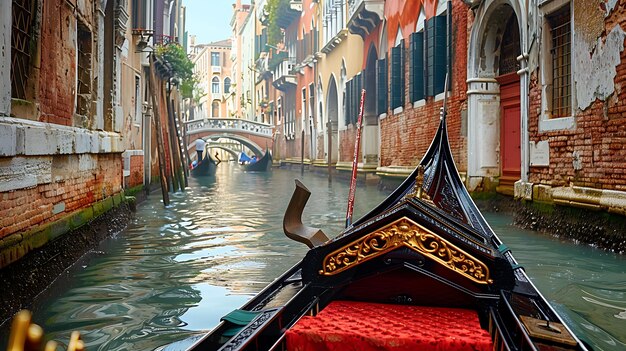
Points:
[347,325]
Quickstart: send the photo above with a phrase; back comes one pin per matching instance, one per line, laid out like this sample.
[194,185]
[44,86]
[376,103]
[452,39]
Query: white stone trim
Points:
[419,103]
[397,110]
[30,138]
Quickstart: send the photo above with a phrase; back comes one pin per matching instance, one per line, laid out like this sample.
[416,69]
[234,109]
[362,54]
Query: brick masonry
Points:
[592,153]
[405,136]
[25,208]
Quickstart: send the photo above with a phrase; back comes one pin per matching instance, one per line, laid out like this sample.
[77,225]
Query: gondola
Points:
[421,271]
[253,165]
[207,167]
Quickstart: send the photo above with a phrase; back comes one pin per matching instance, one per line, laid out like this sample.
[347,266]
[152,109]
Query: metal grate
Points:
[561,63]
[22,11]
[84,70]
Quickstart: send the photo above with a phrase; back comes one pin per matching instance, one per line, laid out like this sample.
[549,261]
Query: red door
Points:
[510,159]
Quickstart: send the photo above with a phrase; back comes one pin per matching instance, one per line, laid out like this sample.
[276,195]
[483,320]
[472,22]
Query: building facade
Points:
[74,116]
[533,91]
[212,68]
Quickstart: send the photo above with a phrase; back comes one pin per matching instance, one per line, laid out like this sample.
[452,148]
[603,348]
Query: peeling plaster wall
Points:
[594,73]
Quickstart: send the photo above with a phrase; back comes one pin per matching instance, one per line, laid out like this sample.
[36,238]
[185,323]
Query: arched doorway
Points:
[332,113]
[495,108]
[509,80]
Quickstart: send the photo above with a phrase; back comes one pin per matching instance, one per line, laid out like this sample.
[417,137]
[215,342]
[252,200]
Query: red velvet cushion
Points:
[346,325]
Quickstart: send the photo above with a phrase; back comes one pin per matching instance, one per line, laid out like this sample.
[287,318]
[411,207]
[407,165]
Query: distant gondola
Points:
[253,165]
[421,271]
[207,167]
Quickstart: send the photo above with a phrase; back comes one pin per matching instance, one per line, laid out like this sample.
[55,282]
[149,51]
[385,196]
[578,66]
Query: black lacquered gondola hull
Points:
[423,267]
[207,167]
[264,164]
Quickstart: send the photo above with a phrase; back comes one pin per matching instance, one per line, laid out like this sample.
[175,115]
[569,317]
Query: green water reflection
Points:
[175,271]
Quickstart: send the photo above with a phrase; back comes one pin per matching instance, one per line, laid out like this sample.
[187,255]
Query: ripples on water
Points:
[175,271]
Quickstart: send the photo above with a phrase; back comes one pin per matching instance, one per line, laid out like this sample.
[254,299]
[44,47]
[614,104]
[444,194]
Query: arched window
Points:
[215,108]
[215,86]
[226,85]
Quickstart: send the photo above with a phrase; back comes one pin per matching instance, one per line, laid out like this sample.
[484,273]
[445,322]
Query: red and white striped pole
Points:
[355,162]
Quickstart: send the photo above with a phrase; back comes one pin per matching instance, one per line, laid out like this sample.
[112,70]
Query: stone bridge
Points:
[254,135]
[232,147]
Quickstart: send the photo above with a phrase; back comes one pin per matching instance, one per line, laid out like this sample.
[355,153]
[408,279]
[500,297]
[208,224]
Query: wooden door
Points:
[510,133]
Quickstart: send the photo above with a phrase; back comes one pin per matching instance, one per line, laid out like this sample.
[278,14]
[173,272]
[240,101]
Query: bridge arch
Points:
[191,148]
[254,135]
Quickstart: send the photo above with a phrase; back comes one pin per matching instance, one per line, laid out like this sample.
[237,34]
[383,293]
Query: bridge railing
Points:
[232,125]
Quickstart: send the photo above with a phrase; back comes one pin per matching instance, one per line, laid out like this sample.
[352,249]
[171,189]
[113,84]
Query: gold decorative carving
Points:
[410,234]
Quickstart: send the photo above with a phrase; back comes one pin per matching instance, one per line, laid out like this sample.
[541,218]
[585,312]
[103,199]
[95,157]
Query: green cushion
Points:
[240,318]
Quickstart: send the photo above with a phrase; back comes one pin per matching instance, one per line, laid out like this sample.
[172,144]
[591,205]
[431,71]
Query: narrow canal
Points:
[175,271]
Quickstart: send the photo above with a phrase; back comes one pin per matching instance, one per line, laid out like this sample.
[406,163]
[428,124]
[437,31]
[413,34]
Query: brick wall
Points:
[405,136]
[136,171]
[58,63]
[347,139]
[25,208]
[598,141]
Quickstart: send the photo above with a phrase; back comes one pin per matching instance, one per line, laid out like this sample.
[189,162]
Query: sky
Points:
[209,20]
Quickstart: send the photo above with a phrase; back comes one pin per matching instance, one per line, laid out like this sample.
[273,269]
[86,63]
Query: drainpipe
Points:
[525,138]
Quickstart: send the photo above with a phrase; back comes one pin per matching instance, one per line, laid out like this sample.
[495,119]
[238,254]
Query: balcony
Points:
[364,16]
[216,69]
[284,78]
[287,15]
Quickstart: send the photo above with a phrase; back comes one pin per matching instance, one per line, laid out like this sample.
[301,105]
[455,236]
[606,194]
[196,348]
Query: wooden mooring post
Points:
[156,115]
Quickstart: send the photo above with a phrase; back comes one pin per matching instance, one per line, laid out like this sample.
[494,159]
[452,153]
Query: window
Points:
[416,66]
[215,85]
[560,92]
[138,100]
[353,99]
[303,107]
[20,41]
[215,58]
[226,85]
[215,108]
[139,13]
[397,75]
[83,77]
[436,54]
[279,110]
[381,71]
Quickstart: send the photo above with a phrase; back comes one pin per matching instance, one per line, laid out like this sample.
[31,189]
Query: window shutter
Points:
[417,66]
[402,72]
[348,102]
[436,54]
[357,94]
[395,76]
[381,89]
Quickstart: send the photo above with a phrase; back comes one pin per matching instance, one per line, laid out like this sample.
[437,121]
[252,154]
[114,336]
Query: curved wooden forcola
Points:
[292,221]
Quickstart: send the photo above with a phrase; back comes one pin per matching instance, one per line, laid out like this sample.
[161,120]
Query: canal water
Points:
[175,271]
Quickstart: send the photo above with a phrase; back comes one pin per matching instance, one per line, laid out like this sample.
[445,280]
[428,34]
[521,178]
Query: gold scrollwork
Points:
[408,233]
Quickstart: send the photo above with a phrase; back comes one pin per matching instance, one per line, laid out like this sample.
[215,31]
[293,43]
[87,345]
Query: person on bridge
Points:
[200,144]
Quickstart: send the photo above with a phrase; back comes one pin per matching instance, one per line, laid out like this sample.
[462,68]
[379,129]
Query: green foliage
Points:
[175,55]
[181,66]
[276,9]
